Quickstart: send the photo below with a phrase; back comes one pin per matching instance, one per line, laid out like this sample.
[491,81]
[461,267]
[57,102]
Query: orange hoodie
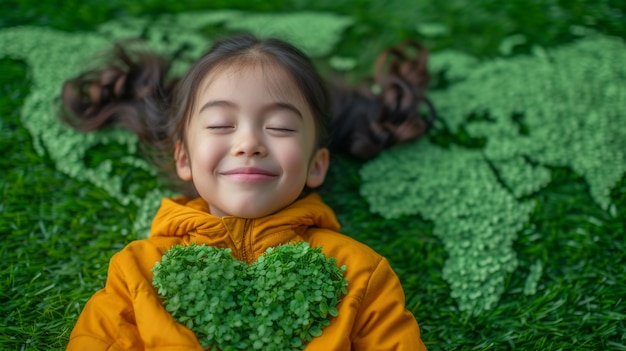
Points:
[127,313]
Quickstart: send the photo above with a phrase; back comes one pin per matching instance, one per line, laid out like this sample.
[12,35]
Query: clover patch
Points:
[279,302]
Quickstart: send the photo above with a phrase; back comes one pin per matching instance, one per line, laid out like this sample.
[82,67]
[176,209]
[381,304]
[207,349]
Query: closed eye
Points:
[220,129]
[282,130]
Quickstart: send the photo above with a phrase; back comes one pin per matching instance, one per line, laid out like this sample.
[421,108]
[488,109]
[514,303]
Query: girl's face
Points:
[250,142]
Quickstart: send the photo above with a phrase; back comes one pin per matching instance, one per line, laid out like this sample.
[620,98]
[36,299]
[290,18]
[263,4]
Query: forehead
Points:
[266,76]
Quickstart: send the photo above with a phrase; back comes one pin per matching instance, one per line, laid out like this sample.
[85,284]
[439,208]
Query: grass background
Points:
[58,233]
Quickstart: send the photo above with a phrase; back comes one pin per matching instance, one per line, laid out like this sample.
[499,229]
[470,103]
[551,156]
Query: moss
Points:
[476,219]
[550,109]
[313,33]
[530,286]
[534,112]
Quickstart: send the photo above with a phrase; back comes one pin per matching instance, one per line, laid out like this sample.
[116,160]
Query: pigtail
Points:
[130,92]
[364,123]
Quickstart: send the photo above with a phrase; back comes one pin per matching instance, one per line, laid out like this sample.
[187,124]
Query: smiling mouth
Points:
[249,174]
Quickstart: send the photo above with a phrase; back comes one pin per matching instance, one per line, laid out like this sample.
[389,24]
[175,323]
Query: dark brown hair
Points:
[365,122]
[133,90]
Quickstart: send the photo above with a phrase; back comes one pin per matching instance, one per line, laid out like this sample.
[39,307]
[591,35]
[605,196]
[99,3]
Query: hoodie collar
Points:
[191,220]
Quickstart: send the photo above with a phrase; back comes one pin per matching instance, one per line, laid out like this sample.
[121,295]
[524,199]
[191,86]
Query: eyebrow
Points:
[265,109]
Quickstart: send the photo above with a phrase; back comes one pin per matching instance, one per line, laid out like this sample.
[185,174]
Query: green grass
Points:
[58,233]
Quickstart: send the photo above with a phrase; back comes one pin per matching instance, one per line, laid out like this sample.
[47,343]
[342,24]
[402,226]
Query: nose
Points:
[249,143]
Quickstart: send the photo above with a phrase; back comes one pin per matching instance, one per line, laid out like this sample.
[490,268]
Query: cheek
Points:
[205,153]
[295,158]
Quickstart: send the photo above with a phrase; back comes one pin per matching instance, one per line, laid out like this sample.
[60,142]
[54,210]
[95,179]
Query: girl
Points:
[248,126]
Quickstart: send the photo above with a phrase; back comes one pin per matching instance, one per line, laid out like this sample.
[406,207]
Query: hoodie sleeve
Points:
[128,314]
[107,321]
[383,322]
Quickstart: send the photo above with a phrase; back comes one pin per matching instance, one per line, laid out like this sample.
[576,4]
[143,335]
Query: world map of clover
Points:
[556,107]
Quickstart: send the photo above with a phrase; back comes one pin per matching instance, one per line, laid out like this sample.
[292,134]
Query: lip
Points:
[249,174]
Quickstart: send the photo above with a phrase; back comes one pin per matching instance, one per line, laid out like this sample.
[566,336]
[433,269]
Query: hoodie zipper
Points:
[246,238]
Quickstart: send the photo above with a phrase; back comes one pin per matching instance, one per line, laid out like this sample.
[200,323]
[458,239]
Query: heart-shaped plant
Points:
[279,302]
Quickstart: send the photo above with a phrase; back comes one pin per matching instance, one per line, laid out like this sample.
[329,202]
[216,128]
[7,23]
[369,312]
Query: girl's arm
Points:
[107,321]
[128,313]
[383,322]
